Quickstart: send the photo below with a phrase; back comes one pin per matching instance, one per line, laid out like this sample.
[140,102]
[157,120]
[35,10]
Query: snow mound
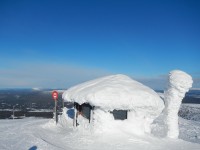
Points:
[115,92]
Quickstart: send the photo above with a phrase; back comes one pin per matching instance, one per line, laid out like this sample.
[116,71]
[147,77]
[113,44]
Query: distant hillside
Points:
[193,96]
[42,98]
[27,98]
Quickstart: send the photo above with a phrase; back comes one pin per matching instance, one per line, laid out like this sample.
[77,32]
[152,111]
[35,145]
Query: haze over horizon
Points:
[57,44]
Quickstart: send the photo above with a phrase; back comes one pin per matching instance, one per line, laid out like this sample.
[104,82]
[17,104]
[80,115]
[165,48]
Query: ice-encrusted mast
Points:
[179,83]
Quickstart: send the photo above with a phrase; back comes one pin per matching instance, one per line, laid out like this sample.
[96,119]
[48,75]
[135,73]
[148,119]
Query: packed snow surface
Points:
[115,92]
[43,134]
[179,83]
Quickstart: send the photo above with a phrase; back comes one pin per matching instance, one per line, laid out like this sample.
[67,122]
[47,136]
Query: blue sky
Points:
[62,43]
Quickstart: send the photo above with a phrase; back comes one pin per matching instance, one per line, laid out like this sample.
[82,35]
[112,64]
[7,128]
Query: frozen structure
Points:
[114,102]
[179,83]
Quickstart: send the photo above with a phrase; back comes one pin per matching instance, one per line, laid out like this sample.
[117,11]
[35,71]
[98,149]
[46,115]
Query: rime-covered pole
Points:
[179,83]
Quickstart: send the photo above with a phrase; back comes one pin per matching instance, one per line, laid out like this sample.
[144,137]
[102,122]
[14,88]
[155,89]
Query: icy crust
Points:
[179,83]
[115,92]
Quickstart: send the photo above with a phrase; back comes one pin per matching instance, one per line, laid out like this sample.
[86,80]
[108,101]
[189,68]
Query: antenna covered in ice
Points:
[179,83]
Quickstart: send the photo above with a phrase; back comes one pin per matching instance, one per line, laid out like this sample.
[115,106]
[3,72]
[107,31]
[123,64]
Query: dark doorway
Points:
[84,110]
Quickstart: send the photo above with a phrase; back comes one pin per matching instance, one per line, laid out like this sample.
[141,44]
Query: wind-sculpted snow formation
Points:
[179,83]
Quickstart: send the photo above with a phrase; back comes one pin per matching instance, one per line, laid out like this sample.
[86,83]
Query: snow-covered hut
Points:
[115,101]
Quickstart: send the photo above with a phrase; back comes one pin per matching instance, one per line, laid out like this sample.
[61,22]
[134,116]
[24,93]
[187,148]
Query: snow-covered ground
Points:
[190,111]
[43,134]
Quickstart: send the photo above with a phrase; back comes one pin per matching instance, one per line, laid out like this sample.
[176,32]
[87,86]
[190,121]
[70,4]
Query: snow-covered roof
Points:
[114,92]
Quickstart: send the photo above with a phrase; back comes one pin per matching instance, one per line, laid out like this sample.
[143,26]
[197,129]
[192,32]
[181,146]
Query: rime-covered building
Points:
[115,101]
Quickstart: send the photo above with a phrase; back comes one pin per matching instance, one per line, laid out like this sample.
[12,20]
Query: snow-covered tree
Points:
[179,83]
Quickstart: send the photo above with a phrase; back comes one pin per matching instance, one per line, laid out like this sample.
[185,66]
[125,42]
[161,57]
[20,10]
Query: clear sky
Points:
[45,43]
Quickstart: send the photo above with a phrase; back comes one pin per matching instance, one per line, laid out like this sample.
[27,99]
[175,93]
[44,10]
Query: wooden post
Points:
[63,103]
[56,115]
[75,116]
[91,114]
[13,112]
[55,98]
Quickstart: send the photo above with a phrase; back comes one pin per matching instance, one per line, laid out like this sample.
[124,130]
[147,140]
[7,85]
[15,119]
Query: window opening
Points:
[119,114]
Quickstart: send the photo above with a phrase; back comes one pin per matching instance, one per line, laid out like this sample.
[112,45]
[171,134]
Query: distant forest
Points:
[28,98]
[42,99]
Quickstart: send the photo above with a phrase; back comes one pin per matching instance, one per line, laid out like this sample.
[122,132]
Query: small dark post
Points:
[56,113]
[75,115]
[63,103]
[55,97]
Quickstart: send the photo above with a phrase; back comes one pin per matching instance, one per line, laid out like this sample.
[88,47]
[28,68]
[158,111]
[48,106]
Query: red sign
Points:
[55,95]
